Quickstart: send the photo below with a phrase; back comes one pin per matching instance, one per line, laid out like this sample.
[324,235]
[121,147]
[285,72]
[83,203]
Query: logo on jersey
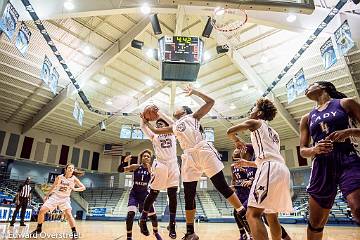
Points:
[181,127]
[273,136]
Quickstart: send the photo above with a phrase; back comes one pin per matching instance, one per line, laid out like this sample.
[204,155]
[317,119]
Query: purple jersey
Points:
[240,176]
[142,178]
[323,123]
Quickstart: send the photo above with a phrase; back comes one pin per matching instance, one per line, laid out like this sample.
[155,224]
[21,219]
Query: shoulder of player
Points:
[253,124]
[305,118]
[348,103]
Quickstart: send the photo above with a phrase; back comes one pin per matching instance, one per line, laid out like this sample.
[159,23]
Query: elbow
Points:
[230,132]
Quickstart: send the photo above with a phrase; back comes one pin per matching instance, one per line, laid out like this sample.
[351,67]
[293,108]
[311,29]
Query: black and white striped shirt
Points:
[24,191]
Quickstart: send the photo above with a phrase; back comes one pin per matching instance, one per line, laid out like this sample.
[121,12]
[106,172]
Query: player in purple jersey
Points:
[242,180]
[335,161]
[139,191]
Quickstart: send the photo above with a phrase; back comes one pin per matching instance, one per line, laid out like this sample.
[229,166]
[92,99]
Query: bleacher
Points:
[102,198]
[9,188]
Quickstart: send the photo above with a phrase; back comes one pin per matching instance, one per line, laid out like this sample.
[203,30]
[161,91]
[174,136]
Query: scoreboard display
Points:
[181,49]
[180,57]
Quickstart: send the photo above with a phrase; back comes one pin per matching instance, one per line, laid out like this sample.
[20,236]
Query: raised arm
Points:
[204,109]
[131,168]
[250,124]
[145,128]
[81,187]
[164,130]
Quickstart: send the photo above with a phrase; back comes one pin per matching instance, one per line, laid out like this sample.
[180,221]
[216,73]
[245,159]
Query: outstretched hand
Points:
[127,158]
[188,90]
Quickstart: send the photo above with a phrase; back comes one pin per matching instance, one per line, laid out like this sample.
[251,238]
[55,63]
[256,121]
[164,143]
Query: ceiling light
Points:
[145,8]
[232,106]
[69,5]
[219,11]
[264,59]
[207,56]
[103,81]
[149,83]
[109,102]
[245,87]
[87,50]
[291,18]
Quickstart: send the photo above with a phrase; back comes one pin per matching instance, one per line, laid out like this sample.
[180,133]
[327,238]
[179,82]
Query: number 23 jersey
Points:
[165,147]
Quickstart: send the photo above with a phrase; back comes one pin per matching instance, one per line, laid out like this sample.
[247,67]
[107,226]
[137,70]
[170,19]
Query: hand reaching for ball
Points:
[188,90]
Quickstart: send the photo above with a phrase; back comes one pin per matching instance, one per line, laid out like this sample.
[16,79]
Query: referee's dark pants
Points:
[23,205]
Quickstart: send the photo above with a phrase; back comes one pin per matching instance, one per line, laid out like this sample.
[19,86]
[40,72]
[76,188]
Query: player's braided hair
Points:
[331,90]
[267,108]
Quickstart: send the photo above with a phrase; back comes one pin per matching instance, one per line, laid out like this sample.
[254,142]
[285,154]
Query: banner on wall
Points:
[9,20]
[291,91]
[209,134]
[301,83]
[7,212]
[54,79]
[46,70]
[125,132]
[137,133]
[23,39]
[343,38]
[328,54]
[98,212]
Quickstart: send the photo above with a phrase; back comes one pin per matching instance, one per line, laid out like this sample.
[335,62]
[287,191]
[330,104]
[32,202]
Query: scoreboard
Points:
[180,57]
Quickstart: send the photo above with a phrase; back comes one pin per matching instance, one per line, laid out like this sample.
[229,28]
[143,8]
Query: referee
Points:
[22,198]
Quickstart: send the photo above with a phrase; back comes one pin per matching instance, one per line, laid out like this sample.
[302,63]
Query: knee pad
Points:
[316,230]
[221,185]
[172,199]
[150,199]
[130,220]
[189,192]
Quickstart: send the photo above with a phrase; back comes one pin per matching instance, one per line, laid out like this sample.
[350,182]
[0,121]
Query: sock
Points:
[73,229]
[190,228]
[144,215]
[39,226]
[172,217]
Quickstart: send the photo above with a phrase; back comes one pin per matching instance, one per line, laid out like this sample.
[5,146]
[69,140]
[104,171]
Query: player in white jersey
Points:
[59,196]
[270,192]
[199,157]
[165,172]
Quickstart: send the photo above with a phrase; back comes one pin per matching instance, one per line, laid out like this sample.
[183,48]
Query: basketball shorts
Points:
[199,160]
[55,200]
[271,188]
[338,168]
[136,200]
[243,194]
[164,175]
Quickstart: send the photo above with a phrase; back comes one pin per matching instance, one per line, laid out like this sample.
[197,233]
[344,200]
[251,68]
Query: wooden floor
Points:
[94,230]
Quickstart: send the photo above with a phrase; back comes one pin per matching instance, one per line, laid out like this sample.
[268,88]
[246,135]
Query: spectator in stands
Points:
[22,198]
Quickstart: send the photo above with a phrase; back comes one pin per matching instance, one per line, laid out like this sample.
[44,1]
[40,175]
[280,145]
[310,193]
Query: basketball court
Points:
[75,75]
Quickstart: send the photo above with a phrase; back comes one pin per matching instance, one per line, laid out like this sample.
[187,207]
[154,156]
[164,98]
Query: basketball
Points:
[151,113]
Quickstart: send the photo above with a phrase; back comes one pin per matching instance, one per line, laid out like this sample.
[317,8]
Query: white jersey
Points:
[165,147]
[266,143]
[187,131]
[164,144]
[65,186]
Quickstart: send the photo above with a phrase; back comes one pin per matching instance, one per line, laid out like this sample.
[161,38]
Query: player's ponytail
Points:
[331,90]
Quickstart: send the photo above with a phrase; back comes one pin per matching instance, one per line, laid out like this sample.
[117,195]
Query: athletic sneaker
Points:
[172,231]
[35,233]
[75,235]
[192,236]
[143,228]
[157,235]
[243,237]
[22,224]
[11,224]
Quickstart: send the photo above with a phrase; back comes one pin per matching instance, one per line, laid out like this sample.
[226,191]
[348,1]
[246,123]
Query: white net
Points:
[227,25]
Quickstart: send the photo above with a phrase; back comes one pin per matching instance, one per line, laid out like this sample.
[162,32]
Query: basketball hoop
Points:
[227,23]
